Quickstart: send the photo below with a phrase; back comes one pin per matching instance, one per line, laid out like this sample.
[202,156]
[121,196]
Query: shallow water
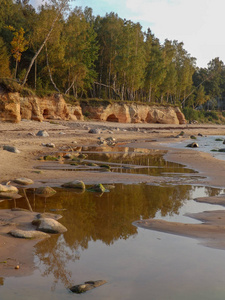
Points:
[120,160]
[206,144]
[102,243]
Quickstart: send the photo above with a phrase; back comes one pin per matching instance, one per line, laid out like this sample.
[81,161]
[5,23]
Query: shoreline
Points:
[75,134]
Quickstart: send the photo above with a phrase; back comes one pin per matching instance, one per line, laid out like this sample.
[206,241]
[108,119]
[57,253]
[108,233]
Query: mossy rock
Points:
[99,188]
[219,140]
[46,191]
[51,158]
[76,184]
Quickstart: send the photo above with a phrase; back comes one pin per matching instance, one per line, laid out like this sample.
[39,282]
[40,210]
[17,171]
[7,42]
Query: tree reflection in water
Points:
[91,218]
[107,218]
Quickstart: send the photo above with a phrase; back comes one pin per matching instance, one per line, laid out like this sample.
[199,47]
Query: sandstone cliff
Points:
[14,107]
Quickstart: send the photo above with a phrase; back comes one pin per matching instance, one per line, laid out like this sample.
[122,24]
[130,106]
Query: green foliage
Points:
[103,57]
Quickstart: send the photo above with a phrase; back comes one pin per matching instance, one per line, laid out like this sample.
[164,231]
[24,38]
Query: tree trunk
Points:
[42,45]
[49,71]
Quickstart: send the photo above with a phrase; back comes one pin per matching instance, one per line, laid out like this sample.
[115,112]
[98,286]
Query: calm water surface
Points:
[102,243]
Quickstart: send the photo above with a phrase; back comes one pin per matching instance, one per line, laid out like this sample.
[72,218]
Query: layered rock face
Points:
[14,107]
[134,113]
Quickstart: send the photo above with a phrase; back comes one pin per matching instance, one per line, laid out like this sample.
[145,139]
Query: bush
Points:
[212,115]
[190,114]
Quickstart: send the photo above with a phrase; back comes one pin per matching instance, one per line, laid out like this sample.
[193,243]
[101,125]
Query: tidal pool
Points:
[120,160]
[102,243]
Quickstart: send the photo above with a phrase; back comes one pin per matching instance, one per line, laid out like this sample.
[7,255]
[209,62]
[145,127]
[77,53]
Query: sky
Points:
[199,24]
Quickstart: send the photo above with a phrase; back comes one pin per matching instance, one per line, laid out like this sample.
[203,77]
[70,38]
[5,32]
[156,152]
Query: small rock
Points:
[23,181]
[50,145]
[28,234]
[49,225]
[67,156]
[42,133]
[94,131]
[76,184]
[11,149]
[192,145]
[87,286]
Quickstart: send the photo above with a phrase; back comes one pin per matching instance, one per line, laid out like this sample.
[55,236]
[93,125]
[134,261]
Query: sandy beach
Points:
[68,137]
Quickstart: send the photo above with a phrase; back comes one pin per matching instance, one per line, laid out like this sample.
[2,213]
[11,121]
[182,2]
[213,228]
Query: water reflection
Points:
[119,159]
[106,219]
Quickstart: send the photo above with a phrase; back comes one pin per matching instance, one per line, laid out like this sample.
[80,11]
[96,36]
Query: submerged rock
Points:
[87,286]
[76,184]
[49,225]
[28,234]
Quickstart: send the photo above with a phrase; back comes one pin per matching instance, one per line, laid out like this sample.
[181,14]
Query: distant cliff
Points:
[14,107]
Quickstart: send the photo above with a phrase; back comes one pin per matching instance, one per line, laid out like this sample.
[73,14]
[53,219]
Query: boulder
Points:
[49,225]
[76,184]
[45,192]
[8,188]
[99,188]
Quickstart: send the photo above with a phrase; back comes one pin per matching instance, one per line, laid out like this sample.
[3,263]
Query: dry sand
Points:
[72,134]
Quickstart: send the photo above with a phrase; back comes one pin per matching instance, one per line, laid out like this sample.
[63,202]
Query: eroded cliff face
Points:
[134,113]
[14,107]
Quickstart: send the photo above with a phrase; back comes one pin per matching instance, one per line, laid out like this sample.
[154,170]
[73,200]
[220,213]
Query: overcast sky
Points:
[199,24]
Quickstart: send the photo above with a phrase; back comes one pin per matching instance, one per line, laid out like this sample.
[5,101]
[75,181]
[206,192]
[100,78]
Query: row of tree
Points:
[77,53]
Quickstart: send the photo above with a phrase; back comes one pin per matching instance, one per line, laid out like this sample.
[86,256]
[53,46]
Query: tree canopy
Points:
[74,52]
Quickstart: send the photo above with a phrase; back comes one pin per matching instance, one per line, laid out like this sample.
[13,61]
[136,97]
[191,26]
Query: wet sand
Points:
[69,135]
